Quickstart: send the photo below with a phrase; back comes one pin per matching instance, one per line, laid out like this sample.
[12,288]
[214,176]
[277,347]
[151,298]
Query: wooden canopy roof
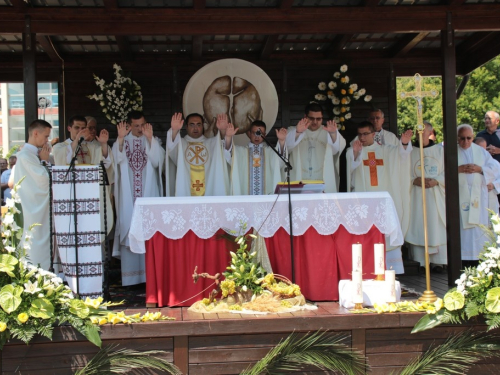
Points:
[405,32]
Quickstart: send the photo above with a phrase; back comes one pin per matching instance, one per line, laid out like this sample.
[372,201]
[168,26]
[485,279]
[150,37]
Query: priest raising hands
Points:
[201,168]
[139,160]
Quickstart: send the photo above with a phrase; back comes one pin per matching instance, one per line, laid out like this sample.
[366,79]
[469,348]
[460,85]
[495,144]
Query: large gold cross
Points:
[418,95]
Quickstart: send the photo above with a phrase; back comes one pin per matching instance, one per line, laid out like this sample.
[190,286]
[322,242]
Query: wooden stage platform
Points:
[228,343]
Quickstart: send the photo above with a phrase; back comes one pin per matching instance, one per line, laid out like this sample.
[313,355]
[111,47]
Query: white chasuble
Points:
[138,171]
[384,168]
[34,195]
[473,195]
[436,207]
[255,170]
[201,168]
[314,156]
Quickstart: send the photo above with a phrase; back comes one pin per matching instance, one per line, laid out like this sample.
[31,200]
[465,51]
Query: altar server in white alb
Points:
[255,168]
[476,169]
[374,167]
[91,152]
[201,167]
[139,161]
[314,149]
[34,191]
[435,203]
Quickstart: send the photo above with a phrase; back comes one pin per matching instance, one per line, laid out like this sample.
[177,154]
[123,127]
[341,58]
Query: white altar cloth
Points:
[175,216]
[373,292]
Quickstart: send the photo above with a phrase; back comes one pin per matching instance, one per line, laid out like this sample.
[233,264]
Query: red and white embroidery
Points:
[137,160]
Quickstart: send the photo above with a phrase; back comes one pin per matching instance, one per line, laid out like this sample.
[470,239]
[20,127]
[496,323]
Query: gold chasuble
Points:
[196,156]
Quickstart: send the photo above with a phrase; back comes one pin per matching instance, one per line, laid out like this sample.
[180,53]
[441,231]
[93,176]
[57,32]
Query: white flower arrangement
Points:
[119,97]
[338,94]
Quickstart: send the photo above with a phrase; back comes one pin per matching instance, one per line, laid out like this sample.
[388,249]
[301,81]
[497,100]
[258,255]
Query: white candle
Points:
[357,258]
[390,282]
[379,258]
[357,287]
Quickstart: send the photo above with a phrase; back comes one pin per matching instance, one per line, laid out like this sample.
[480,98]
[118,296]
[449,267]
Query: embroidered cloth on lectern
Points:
[90,268]
[137,160]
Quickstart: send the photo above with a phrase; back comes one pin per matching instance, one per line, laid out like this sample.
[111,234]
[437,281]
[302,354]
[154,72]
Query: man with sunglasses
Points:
[476,168]
[491,134]
[315,149]
[374,167]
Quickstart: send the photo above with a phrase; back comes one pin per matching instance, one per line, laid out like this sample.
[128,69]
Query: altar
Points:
[179,233]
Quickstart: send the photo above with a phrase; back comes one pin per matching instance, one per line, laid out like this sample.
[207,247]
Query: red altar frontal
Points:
[178,234]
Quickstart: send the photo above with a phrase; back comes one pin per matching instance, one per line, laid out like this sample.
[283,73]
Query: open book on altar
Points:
[301,187]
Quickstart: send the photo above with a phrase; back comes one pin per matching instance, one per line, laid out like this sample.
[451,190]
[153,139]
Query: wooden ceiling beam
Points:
[19,4]
[488,50]
[337,45]
[371,3]
[286,4]
[124,47]
[48,47]
[473,42]
[407,43]
[110,4]
[199,4]
[197,46]
[252,21]
[268,47]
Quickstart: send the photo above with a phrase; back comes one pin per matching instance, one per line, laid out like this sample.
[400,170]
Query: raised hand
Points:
[85,133]
[103,137]
[230,130]
[357,146]
[406,137]
[331,126]
[44,152]
[281,134]
[147,130]
[177,121]
[303,125]
[122,128]
[222,121]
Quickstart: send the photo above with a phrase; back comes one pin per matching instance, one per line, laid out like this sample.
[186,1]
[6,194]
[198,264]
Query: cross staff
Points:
[418,95]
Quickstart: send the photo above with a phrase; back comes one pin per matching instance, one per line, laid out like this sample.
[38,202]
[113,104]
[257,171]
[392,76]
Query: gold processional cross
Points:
[418,95]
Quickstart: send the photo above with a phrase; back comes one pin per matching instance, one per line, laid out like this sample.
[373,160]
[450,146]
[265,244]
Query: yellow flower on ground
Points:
[115,319]
[95,303]
[103,321]
[3,326]
[23,317]
[94,320]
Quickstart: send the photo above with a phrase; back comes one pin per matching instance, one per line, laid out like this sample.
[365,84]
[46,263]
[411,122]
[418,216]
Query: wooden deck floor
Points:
[439,282]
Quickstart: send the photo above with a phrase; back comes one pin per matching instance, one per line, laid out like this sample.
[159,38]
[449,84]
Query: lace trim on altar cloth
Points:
[175,216]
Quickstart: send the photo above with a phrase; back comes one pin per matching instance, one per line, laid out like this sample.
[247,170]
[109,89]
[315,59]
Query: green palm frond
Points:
[456,355]
[323,350]
[110,360]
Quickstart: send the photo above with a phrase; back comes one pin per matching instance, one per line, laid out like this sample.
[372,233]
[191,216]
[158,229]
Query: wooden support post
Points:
[29,76]
[451,157]
[358,341]
[181,353]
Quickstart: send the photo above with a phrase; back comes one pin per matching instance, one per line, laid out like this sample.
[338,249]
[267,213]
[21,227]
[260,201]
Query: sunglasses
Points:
[464,138]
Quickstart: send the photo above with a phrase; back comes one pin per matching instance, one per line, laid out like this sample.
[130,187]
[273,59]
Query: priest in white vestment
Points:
[315,149]
[139,159]
[201,167]
[475,170]
[382,136]
[255,168]
[34,191]
[374,167]
[494,185]
[435,203]
[91,153]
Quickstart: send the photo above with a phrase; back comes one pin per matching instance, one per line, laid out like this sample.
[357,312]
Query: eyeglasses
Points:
[364,134]
[464,138]
[376,118]
[315,118]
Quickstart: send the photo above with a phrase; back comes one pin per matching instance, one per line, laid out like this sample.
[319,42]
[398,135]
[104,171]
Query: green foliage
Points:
[110,360]
[456,355]
[243,270]
[323,350]
[481,94]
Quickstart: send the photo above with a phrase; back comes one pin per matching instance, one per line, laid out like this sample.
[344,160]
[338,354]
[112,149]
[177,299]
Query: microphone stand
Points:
[51,208]
[72,168]
[288,168]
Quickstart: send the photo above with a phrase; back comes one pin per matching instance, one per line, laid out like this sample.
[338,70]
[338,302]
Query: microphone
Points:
[258,133]
[81,140]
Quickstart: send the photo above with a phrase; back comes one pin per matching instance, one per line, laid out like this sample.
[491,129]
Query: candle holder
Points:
[358,306]
[379,277]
